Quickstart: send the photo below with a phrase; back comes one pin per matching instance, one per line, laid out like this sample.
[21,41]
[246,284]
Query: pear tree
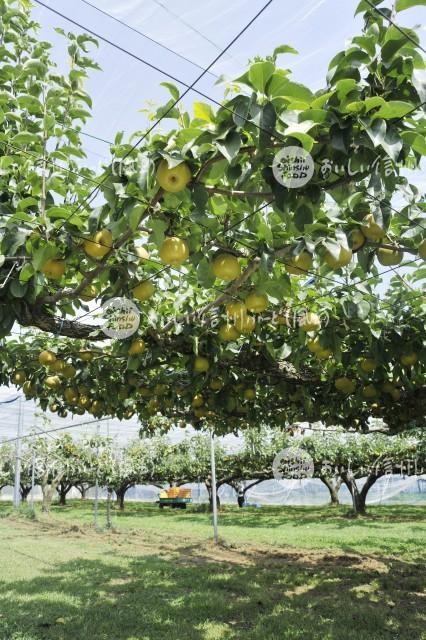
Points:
[259,301]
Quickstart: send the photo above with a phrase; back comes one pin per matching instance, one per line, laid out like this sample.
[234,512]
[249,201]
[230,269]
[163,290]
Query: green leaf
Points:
[200,196]
[392,144]
[303,216]
[284,48]
[43,254]
[35,67]
[266,120]
[203,111]
[133,212]
[402,5]
[415,140]
[394,109]
[259,74]
[158,227]
[376,131]
[241,109]
[230,146]
[17,289]
[30,103]
[320,101]
[25,137]
[344,87]
[419,82]
[373,102]
[172,88]
[280,86]
[205,275]
[364,6]
[26,273]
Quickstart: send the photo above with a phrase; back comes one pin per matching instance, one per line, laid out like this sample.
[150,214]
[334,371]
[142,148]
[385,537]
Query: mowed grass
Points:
[278,574]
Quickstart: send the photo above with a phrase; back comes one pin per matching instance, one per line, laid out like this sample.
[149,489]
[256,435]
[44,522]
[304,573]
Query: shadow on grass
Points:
[206,594]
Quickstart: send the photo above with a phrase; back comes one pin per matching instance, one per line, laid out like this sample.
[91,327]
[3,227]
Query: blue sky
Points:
[198,31]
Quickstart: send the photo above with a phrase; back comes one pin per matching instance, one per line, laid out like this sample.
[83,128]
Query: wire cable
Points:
[70,426]
[144,35]
[394,24]
[175,102]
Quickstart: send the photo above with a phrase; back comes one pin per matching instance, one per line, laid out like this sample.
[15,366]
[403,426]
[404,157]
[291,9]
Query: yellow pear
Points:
[173,179]
[409,359]
[54,269]
[99,244]
[256,302]
[142,253]
[71,395]
[345,385]
[137,347]
[314,345]
[144,290]
[371,229]
[310,322]
[245,324]
[88,293]
[197,401]
[299,265]
[174,251]
[344,258]
[368,365]
[19,377]
[236,309]
[422,249]
[216,384]
[369,391]
[249,394]
[52,382]
[46,357]
[228,333]
[226,267]
[389,257]
[69,371]
[201,364]
[356,239]
[323,354]
[86,356]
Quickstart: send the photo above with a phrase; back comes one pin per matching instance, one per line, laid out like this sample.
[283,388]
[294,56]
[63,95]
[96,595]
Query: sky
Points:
[181,39]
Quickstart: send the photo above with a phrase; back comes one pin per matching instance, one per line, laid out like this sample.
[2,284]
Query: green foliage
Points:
[365,131]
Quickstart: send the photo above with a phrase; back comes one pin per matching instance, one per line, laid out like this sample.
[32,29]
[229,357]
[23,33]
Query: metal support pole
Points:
[214,494]
[108,504]
[96,505]
[32,481]
[18,450]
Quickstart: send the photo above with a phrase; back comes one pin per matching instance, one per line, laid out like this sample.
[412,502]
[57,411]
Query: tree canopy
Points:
[259,302]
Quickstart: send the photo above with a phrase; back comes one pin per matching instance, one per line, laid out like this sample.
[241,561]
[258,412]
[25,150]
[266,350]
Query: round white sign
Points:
[292,464]
[293,167]
[121,318]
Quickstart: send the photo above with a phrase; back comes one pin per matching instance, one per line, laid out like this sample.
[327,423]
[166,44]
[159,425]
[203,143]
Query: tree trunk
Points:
[120,493]
[333,485]
[359,497]
[25,491]
[48,492]
[63,490]
[210,492]
[83,489]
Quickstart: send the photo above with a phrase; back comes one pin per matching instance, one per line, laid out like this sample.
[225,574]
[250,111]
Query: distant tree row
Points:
[335,458]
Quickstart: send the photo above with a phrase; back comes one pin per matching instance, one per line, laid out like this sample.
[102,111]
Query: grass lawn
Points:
[278,574]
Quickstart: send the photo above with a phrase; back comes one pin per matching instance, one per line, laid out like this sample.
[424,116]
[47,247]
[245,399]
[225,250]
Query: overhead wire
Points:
[98,185]
[180,97]
[144,35]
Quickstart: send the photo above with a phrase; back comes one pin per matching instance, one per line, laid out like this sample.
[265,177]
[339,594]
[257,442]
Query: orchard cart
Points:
[175,497]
